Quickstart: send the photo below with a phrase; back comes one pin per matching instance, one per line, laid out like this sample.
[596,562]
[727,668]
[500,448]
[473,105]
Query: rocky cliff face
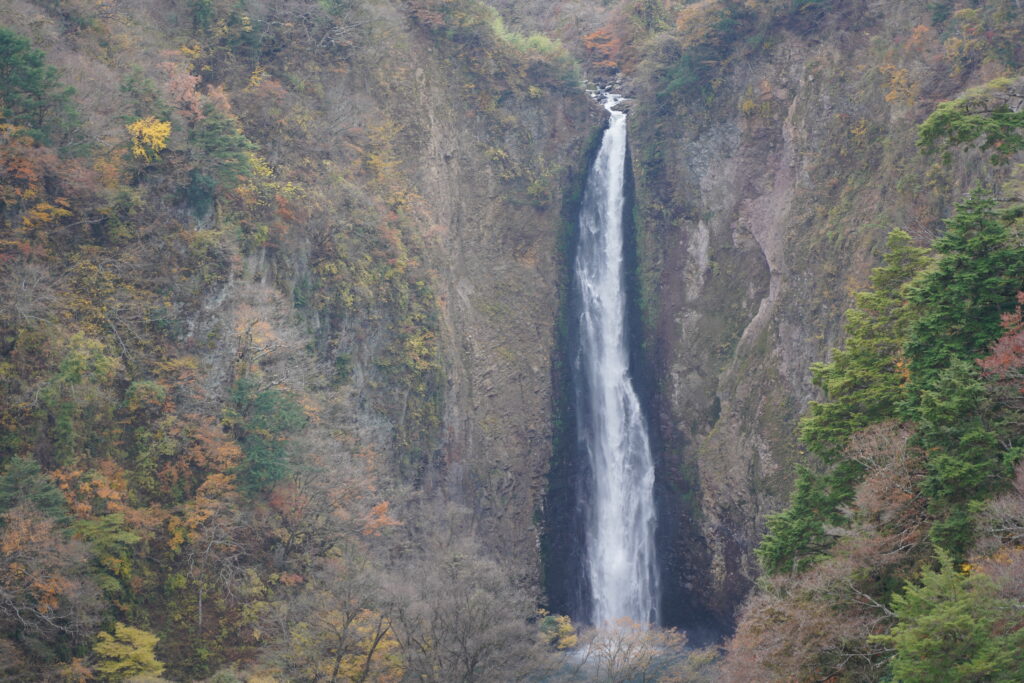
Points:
[773,152]
[399,251]
[395,255]
[486,147]
[473,148]
[494,185]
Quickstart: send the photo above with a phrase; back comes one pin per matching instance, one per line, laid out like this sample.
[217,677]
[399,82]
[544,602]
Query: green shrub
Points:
[954,627]
[266,417]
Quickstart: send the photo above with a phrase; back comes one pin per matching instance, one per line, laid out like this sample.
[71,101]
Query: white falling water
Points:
[620,527]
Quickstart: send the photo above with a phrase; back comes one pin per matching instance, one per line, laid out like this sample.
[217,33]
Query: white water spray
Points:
[620,527]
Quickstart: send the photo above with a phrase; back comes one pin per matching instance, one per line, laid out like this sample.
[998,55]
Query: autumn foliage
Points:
[897,558]
[605,49]
[220,367]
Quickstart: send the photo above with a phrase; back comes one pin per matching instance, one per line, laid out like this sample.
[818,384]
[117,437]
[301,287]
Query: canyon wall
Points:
[773,152]
[364,211]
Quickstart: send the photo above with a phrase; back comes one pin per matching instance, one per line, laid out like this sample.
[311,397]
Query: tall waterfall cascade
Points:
[620,524]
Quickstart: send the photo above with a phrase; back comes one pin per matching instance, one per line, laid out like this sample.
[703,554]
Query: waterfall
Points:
[620,558]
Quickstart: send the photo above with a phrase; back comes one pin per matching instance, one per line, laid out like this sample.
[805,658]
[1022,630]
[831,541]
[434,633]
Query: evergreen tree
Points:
[983,112]
[961,303]
[111,543]
[796,537]
[23,480]
[954,628]
[268,416]
[864,380]
[864,383]
[966,461]
[975,280]
[30,91]
[222,155]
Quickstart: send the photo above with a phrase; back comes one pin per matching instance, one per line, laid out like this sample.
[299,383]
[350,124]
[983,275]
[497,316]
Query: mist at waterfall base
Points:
[569,510]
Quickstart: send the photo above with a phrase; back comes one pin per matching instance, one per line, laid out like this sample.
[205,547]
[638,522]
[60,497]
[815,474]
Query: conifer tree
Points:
[961,303]
[864,380]
[268,416]
[864,383]
[31,94]
[23,481]
[796,536]
[975,280]
[954,627]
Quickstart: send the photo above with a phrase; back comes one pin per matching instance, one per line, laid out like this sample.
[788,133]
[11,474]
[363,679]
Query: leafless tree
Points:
[45,589]
[626,651]
[457,616]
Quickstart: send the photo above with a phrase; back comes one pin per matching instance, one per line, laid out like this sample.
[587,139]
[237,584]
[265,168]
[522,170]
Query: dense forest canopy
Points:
[234,386]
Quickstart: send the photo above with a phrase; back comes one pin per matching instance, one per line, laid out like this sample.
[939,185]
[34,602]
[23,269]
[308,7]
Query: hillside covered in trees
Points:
[283,312]
[223,377]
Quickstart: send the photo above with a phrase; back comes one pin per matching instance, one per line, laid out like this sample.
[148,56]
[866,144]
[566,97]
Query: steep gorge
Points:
[773,152]
[336,271]
[346,266]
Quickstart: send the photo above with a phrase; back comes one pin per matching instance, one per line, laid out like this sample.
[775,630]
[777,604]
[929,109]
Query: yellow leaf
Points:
[148,137]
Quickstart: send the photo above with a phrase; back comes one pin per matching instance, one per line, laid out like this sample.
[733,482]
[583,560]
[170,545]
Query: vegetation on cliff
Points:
[906,538]
[236,402]
[774,152]
[221,383]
